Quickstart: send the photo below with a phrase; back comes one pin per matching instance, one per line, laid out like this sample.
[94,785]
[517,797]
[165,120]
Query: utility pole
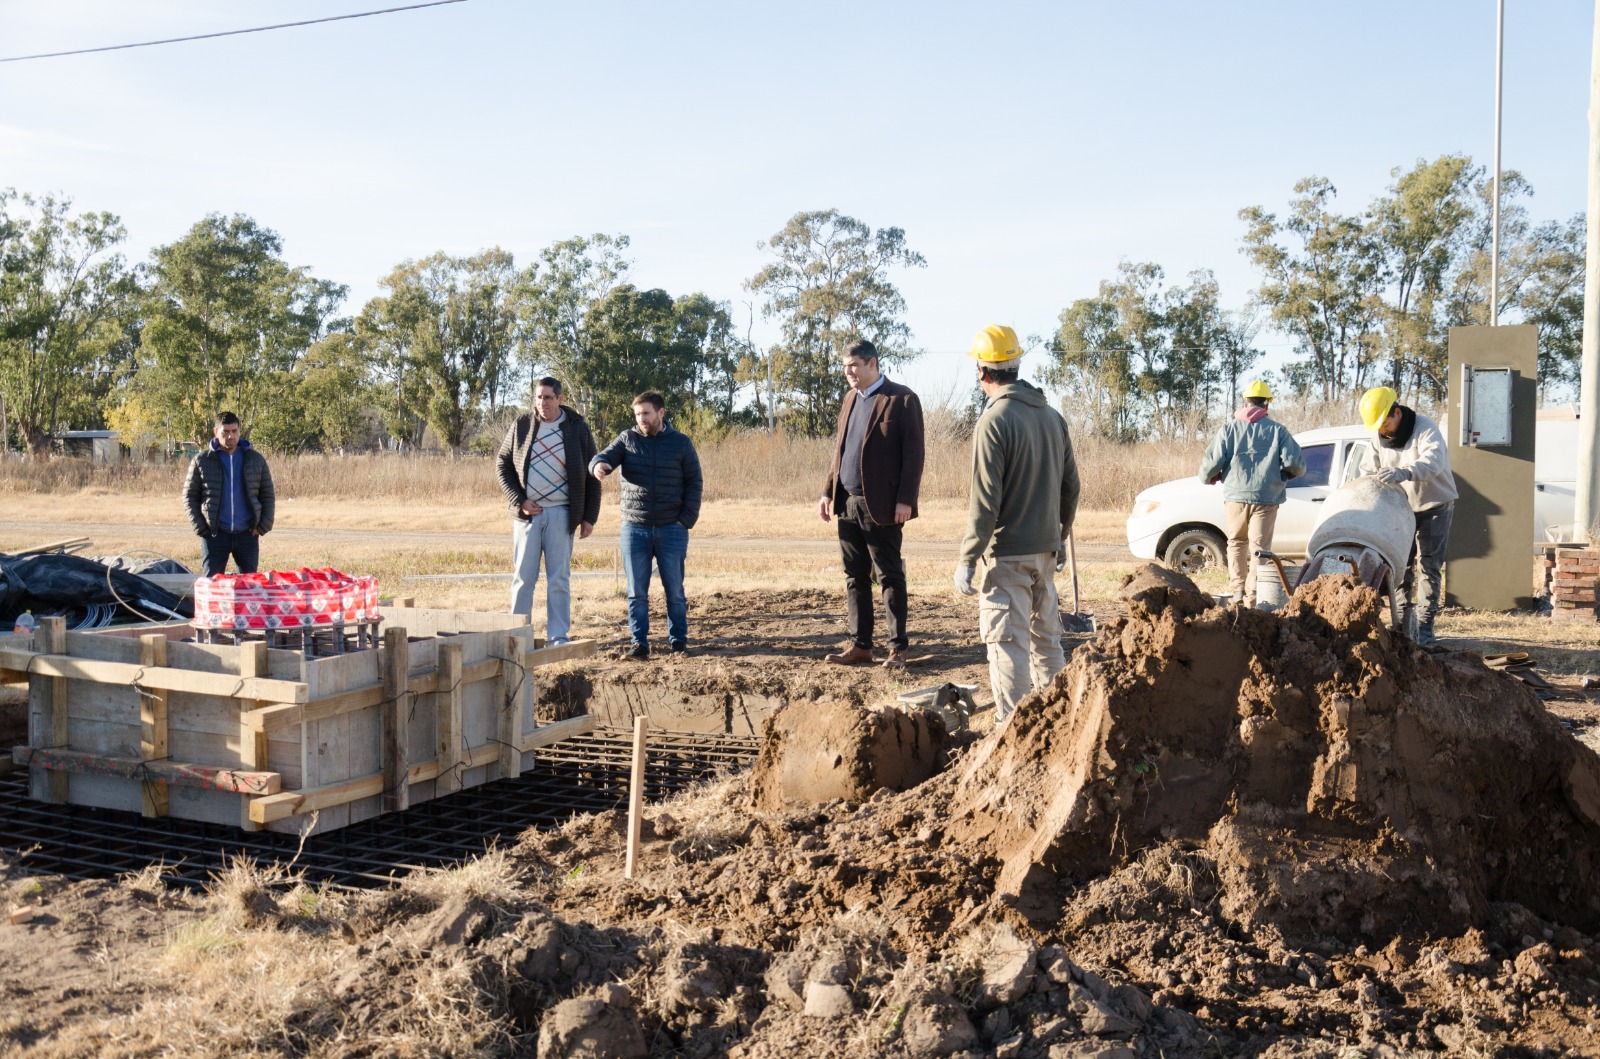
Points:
[1588,483]
[1494,244]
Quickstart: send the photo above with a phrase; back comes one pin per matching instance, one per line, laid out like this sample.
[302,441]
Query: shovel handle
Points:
[1072,561]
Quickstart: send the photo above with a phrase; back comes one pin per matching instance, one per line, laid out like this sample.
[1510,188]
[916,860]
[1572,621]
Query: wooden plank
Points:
[513,675]
[55,665]
[285,804]
[396,715]
[447,704]
[153,725]
[252,741]
[540,656]
[635,798]
[283,715]
[209,777]
[47,714]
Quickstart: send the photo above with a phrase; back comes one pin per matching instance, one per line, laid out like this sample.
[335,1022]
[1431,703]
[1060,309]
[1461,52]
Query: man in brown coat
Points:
[872,488]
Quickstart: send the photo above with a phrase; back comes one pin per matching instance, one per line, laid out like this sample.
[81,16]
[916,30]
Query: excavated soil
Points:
[1218,832]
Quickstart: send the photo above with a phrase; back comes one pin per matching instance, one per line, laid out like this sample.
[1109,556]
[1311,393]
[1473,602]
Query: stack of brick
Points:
[1573,582]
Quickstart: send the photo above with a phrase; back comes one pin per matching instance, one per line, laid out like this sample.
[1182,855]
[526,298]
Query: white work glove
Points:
[963,579]
[1061,557]
[1393,476]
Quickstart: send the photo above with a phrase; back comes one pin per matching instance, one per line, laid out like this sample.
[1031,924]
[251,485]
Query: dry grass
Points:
[742,469]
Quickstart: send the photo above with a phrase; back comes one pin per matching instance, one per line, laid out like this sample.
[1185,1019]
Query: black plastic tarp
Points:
[71,585]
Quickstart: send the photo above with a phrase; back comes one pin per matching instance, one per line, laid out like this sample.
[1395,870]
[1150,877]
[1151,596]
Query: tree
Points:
[226,322]
[557,294]
[829,285]
[64,296]
[1421,229]
[334,393]
[1323,290]
[456,319]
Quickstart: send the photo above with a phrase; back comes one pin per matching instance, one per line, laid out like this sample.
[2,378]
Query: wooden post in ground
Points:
[447,707]
[47,713]
[636,796]
[396,714]
[252,741]
[514,681]
[153,723]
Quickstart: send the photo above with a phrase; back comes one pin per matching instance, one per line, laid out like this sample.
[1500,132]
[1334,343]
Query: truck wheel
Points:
[1193,550]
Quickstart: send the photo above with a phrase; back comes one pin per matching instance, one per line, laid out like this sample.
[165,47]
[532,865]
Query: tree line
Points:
[1366,297]
[219,319]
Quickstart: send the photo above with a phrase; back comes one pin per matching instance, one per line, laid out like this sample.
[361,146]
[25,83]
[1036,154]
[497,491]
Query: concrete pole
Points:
[1588,483]
[1494,243]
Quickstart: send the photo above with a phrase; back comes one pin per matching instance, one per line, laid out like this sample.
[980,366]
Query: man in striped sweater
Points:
[543,470]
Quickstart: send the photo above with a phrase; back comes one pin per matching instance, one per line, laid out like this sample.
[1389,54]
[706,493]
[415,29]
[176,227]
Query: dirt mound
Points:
[824,751]
[1346,782]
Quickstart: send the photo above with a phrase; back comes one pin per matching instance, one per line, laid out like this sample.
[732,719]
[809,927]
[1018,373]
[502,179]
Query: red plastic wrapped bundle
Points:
[284,599]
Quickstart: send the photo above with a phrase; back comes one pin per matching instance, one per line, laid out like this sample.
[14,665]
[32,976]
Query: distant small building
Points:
[98,446]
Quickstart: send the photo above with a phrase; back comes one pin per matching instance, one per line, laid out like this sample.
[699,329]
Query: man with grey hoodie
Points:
[1252,456]
[1024,496]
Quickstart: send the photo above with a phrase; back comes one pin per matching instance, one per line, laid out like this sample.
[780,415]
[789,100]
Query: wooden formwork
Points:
[136,719]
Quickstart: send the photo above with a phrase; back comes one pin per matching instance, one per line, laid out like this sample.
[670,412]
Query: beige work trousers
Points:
[1019,618]
[1249,531]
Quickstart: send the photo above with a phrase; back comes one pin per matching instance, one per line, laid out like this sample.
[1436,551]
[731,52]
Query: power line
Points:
[226,33]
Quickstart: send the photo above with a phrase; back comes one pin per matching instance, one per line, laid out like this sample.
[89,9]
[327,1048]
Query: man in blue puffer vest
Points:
[228,492]
[1252,456]
[661,488]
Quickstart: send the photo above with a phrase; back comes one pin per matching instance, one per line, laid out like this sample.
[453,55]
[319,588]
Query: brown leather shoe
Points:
[896,659]
[850,656]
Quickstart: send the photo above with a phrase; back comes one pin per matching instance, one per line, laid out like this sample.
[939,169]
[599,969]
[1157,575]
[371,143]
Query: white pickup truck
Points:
[1181,522]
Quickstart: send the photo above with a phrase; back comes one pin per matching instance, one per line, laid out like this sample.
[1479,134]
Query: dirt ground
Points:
[1216,833]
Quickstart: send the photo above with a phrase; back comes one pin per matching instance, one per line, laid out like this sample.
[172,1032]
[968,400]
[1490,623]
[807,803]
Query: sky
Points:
[1024,148]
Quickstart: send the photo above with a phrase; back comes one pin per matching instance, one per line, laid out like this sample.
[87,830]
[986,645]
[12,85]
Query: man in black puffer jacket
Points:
[661,488]
[228,492]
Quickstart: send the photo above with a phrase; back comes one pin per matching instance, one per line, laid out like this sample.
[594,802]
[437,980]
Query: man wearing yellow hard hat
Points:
[1410,452]
[1024,496]
[1252,456]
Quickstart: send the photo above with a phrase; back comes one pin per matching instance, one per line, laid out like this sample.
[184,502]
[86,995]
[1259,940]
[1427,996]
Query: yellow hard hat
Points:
[1375,406]
[1258,389]
[996,344]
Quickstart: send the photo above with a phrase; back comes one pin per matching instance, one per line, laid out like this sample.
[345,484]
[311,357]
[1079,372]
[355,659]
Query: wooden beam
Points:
[209,777]
[514,675]
[447,710]
[540,656]
[153,723]
[53,664]
[285,804]
[396,714]
[630,862]
[47,714]
[252,741]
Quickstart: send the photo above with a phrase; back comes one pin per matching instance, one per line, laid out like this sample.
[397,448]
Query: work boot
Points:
[896,659]
[850,656]
[680,647]
[1425,636]
[637,653]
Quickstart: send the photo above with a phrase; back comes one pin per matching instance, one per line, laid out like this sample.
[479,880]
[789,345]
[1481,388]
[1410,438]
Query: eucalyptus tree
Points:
[66,296]
[456,319]
[557,294]
[830,283]
[1322,283]
[226,321]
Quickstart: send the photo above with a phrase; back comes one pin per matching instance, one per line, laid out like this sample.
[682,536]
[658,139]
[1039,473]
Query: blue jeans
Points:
[1433,533]
[546,534]
[243,545]
[667,545]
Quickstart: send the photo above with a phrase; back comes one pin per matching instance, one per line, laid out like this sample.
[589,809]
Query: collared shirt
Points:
[855,432]
[547,463]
